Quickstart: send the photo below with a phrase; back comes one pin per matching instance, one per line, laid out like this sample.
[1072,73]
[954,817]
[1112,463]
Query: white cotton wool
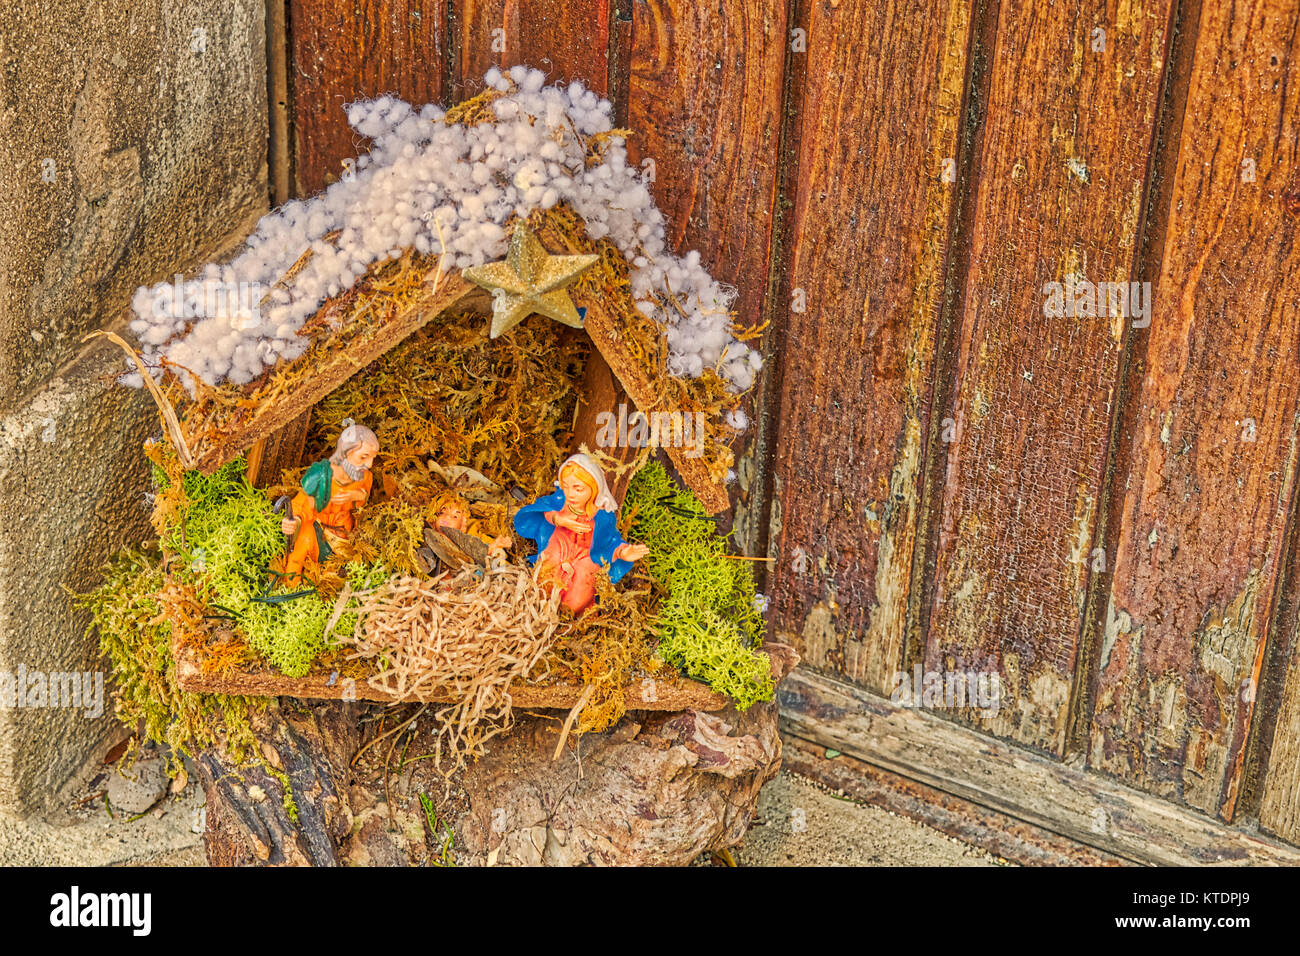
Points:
[447,190]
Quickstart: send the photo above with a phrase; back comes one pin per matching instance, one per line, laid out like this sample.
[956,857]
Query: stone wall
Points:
[132,145]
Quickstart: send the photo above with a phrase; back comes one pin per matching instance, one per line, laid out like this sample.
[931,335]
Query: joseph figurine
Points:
[331,489]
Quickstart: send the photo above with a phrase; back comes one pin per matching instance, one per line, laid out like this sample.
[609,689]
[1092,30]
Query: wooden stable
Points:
[1100,509]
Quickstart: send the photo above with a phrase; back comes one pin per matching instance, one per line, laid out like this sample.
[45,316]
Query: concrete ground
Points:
[168,835]
[802,823]
[799,823]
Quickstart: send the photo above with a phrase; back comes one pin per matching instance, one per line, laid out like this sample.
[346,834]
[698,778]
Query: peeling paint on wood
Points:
[1038,391]
[1212,456]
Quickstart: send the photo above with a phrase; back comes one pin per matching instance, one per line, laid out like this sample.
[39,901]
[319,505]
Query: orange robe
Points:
[335,517]
[567,561]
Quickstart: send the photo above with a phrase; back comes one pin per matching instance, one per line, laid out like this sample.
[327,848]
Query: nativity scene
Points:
[385,481]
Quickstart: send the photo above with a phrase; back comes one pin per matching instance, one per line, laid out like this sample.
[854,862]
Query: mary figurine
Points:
[576,534]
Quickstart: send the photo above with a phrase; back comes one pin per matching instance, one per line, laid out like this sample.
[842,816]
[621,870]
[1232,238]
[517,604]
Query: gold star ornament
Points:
[530,280]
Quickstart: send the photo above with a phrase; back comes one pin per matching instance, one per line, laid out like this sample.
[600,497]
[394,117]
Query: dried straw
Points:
[471,636]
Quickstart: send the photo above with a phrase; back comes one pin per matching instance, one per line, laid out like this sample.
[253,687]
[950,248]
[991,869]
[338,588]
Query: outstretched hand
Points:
[632,552]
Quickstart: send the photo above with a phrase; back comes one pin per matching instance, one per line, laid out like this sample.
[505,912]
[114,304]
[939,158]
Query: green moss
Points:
[126,614]
[708,625]
[228,538]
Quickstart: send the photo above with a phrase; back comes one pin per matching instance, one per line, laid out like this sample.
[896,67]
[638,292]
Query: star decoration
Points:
[530,280]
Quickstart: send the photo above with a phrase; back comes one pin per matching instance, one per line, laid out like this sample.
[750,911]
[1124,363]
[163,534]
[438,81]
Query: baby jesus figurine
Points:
[576,534]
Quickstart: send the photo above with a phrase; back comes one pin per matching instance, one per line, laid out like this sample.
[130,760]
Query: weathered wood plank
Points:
[1084,806]
[704,104]
[345,51]
[1215,434]
[567,41]
[1012,839]
[1279,797]
[262,681]
[1061,174]
[704,101]
[876,127]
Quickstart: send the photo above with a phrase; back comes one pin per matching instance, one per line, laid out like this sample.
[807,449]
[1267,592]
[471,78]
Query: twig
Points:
[164,407]
[568,721]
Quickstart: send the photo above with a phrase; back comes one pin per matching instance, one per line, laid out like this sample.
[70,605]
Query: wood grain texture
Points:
[277,453]
[1005,777]
[1214,439]
[599,394]
[567,41]
[342,52]
[1061,175]
[705,90]
[1005,836]
[1279,804]
[704,103]
[876,122]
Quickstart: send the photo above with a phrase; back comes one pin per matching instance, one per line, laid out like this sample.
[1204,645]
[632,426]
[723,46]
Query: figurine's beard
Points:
[354,472]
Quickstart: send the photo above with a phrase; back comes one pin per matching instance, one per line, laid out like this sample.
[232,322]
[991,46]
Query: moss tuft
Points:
[127,614]
[708,626]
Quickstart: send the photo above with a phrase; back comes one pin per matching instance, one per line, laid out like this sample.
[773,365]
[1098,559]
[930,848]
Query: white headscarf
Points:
[604,500]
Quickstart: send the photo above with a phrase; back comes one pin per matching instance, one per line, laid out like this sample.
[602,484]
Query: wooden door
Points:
[951,473]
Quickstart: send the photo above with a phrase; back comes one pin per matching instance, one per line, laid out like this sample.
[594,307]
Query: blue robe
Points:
[530,521]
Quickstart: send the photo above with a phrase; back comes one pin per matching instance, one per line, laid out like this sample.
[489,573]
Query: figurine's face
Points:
[363,456]
[577,493]
[452,516]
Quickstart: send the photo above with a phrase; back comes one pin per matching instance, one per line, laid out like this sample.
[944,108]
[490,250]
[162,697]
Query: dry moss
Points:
[129,613]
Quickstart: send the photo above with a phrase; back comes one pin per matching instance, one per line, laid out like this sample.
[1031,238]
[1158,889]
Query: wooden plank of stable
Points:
[650,694]
[344,51]
[239,427]
[1010,779]
[1215,431]
[1012,839]
[1062,175]
[602,394]
[281,451]
[876,123]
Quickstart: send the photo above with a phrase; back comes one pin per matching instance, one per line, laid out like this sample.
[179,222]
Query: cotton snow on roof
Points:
[445,189]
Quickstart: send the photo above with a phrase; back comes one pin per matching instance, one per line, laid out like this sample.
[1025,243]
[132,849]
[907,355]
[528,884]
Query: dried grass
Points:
[472,635]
